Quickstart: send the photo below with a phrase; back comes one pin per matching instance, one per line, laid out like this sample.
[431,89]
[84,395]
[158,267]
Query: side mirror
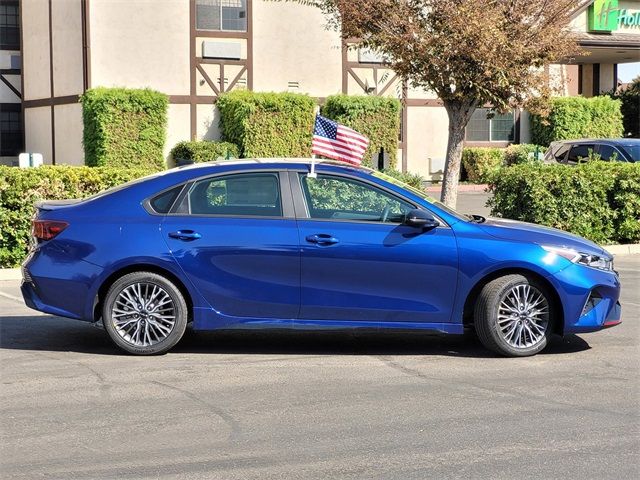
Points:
[420,219]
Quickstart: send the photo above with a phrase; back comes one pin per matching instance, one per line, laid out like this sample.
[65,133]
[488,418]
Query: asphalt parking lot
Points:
[316,405]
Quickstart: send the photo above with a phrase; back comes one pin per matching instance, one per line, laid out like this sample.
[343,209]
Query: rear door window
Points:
[247,194]
[579,153]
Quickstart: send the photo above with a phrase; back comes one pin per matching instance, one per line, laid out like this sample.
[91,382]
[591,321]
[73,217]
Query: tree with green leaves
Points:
[471,53]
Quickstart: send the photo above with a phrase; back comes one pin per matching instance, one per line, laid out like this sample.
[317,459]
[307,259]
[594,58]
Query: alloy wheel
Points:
[143,314]
[523,316]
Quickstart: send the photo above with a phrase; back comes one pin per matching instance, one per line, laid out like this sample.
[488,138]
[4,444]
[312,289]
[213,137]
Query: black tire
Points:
[494,299]
[170,333]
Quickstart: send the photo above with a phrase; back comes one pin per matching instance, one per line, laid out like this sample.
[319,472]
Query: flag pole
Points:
[312,173]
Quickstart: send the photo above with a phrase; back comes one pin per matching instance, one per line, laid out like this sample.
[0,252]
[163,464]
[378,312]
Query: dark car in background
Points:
[571,152]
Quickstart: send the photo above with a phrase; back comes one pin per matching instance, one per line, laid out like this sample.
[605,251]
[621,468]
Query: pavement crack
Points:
[236,431]
[104,384]
[468,387]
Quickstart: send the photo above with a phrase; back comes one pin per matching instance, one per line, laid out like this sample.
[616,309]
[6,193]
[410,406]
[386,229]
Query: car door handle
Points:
[185,235]
[322,239]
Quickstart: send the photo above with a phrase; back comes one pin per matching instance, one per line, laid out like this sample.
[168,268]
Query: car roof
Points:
[613,141]
[285,162]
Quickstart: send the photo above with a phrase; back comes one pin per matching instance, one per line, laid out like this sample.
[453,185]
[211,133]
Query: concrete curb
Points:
[10,274]
[627,249]
[461,188]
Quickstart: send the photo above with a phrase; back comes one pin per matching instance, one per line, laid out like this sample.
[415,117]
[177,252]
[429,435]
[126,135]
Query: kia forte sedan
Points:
[258,244]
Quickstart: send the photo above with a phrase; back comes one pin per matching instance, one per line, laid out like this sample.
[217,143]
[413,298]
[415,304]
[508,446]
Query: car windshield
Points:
[422,194]
[632,151]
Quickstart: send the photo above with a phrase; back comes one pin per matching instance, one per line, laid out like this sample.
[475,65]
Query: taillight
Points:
[47,229]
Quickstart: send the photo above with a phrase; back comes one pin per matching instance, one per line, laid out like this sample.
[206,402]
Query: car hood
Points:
[530,232]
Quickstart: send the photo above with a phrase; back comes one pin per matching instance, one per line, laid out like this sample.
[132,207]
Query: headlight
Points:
[589,260]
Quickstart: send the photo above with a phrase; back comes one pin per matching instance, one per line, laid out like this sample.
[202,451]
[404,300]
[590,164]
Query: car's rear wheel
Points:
[513,316]
[144,313]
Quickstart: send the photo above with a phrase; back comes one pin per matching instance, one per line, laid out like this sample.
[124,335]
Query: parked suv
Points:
[575,151]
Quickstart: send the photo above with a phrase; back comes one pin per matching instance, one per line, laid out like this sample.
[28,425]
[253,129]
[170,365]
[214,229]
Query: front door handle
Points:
[185,235]
[322,239]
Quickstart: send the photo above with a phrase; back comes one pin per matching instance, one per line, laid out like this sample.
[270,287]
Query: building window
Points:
[221,15]
[10,129]
[9,26]
[499,128]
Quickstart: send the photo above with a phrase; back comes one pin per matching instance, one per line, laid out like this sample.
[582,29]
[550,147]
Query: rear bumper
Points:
[57,288]
[32,300]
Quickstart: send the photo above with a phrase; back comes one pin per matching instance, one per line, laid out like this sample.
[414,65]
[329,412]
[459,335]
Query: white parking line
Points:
[11,297]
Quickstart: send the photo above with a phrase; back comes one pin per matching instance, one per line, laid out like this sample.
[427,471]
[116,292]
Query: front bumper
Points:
[578,286]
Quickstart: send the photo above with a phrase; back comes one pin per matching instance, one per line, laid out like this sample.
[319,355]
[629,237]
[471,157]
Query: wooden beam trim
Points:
[11,87]
[357,79]
[237,77]
[208,80]
[389,83]
[48,102]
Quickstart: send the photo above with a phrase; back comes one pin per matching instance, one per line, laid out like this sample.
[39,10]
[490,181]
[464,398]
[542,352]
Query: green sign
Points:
[603,16]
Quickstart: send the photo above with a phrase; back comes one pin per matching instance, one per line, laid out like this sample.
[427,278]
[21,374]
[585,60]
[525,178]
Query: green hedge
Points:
[203,151]
[481,163]
[523,153]
[267,124]
[124,127]
[376,117]
[578,117]
[21,187]
[597,200]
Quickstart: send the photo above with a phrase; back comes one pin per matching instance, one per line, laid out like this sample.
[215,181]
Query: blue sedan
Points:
[257,244]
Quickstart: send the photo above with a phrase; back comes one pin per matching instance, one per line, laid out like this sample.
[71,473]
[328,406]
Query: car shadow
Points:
[55,334]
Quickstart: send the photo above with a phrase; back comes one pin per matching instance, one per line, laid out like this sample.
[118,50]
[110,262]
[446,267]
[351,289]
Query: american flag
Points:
[332,140]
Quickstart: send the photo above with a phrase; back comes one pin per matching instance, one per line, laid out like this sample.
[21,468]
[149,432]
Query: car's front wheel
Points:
[513,316]
[144,313]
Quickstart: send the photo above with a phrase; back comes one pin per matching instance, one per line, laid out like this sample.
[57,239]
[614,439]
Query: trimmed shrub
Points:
[203,151]
[267,124]
[21,187]
[578,117]
[523,153]
[376,117]
[481,164]
[124,127]
[597,200]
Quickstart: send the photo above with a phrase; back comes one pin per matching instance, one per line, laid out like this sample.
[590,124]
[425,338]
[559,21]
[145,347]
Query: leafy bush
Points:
[481,164]
[597,200]
[21,187]
[413,179]
[376,117]
[578,117]
[523,153]
[124,127]
[203,151]
[267,124]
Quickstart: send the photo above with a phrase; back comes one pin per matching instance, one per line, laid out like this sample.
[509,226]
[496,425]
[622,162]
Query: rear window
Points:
[162,203]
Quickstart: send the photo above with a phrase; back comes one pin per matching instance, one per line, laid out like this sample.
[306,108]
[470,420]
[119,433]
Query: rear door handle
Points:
[322,239]
[185,235]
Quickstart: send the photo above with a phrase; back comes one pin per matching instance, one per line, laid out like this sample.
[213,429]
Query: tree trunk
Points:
[459,113]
